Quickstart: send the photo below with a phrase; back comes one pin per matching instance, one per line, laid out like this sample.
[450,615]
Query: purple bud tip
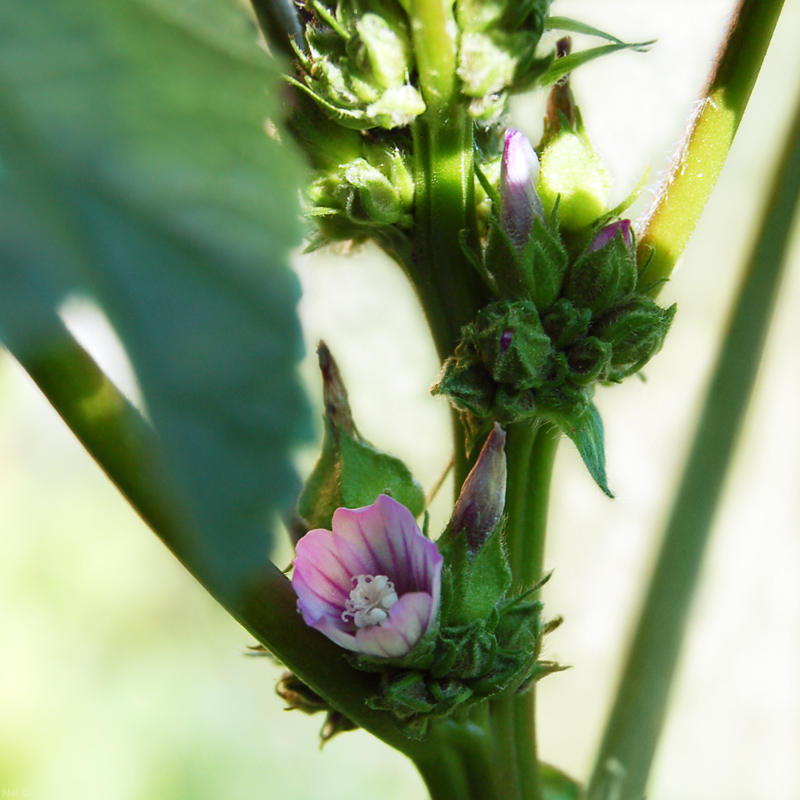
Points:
[483,495]
[505,339]
[373,583]
[520,203]
[609,233]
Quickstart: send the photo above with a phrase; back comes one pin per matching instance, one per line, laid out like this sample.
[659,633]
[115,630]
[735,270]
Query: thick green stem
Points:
[530,454]
[634,727]
[701,155]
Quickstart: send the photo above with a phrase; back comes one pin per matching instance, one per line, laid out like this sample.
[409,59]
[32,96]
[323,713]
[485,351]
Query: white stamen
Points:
[370,600]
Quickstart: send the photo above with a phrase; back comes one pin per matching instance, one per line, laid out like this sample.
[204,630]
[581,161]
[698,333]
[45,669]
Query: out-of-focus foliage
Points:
[135,167]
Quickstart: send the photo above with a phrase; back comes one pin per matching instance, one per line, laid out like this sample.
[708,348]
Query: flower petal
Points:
[519,201]
[408,621]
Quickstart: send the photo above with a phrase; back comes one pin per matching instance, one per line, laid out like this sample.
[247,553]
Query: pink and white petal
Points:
[354,556]
[315,598]
[341,637]
[426,563]
[375,532]
[318,548]
[408,621]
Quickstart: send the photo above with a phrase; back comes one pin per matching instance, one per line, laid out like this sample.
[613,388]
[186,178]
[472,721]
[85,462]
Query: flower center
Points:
[370,600]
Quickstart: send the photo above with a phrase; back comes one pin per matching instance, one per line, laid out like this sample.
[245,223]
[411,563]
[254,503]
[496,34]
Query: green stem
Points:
[530,455]
[635,723]
[701,155]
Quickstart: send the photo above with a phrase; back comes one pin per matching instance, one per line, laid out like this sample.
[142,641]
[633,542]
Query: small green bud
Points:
[385,50]
[603,279]
[636,332]
[572,173]
[486,63]
[358,65]
[511,342]
[376,193]
[396,107]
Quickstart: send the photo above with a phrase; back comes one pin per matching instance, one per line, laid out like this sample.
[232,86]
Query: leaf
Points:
[563,66]
[576,26]
[586,433]
[135,167]
[558,785]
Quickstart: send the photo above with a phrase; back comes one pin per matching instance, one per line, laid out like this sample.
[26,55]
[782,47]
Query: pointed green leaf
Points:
[563,66]
[137,169]
[576,26]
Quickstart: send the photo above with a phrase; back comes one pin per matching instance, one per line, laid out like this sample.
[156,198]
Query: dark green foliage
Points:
[137,171]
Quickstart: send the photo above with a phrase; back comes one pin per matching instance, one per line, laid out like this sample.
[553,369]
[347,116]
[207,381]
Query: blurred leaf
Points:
[134,164]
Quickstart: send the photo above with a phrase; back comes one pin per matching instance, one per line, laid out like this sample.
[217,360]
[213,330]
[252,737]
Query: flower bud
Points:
[609,233]
[519,202]
[483,495]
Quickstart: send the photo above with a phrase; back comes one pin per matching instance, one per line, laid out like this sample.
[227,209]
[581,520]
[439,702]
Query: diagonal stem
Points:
[698,161]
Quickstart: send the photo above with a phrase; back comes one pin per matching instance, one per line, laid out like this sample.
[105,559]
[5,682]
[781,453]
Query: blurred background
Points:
[121,679]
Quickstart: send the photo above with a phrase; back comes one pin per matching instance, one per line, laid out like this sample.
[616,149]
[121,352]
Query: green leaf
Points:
[558,785]
[136,167]
[563,66]
[586,433]
[576,26]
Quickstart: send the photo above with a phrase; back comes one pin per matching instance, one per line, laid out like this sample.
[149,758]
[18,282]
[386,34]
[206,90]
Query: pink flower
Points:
[371,585]
[519,201]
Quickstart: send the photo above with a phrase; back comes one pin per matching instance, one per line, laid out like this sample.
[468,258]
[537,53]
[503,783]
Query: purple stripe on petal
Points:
[353,557]
[310,601]
[318,547]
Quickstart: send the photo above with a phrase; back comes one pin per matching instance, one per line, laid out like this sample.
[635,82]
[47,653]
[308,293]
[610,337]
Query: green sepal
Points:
[602,279]
[635,332]
[544,262]
[586,433]
[350,472]
[473,583]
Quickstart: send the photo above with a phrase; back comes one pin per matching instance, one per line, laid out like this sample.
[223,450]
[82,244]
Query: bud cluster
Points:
[572,307]
[358,63]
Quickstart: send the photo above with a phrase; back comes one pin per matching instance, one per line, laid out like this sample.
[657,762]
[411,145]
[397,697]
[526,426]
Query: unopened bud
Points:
[609,233]
[520,203]
[483,495]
